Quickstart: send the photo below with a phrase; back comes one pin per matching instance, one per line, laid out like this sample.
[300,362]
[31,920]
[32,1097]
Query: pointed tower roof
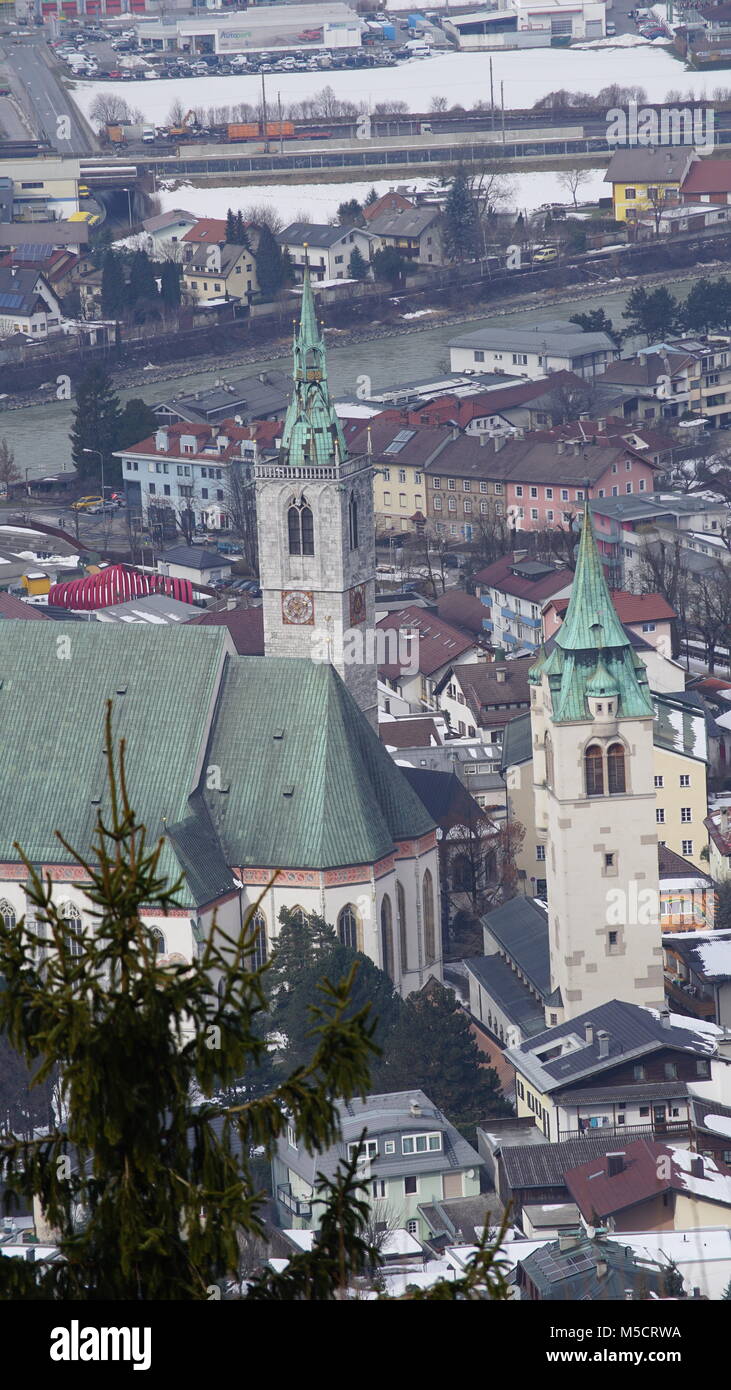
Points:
[592,654]
[591,619]
[312,432]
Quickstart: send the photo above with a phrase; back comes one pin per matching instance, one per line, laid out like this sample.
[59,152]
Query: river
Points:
[39,435]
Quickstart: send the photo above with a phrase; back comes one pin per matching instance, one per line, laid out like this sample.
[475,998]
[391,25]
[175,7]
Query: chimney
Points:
[601,425]
[415,1109]
[665,1018]
[519,555]
[560,446]
[568,1241]
[697,1166]
[615,1163]
[589,1032]
[601,1268]
[499,442]
[161,440]
[603,1043]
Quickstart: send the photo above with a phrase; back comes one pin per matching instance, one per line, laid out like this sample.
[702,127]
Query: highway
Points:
[41,94]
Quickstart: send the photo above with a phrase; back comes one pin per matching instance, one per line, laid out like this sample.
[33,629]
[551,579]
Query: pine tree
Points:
[727,1291]
[460,232]
[371,198]
[170,285]
[357,265]
[114,287]
[270,269]
[700,308]
[288,270]
[164,1179]
[136,422]
[242,237]
[142,284]
[389,265]
[652,313]
[433,1048]
[95,424]
[350,213]
[292,1008]
[231,227]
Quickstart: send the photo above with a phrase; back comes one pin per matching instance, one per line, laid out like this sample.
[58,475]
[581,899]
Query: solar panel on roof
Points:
[9,300]
[399,440]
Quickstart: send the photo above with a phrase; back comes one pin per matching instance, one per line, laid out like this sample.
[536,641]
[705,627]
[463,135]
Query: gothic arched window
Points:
[427,901]
[71,917]
[349,929]
[297,916]
[387,938]
[594,769]
[260,952]
[401,913]
[7,912]
[548,746]
[300,529]
[462,875]
[353,518]
[615,769]
[157,941]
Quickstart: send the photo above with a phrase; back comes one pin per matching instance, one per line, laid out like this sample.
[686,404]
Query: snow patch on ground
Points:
[527,74]
[320,201]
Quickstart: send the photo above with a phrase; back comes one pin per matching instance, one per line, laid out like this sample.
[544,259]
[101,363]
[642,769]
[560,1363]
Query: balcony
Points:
[689,998]
[296,1206]
[508,612]
[676,1129]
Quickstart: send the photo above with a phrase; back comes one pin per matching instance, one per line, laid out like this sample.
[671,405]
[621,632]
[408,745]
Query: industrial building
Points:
[267,27]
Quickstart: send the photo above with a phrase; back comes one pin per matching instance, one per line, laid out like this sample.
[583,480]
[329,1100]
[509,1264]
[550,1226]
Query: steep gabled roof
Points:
[309,783]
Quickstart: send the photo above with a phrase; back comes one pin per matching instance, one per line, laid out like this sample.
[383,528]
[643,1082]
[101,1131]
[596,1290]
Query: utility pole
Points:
[492,100]
[264,115]
[502,107]
[279,113]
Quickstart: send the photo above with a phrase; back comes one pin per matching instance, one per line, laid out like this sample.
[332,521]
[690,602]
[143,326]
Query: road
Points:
[29,74]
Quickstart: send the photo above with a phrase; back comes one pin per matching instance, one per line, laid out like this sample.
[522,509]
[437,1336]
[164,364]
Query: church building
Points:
[263,775]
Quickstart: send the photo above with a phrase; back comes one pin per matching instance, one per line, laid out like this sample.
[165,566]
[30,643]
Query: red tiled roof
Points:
[210,230]
[498,576]
[246,626]
[265,432]
[437,642]
[409,733]
[595,1192]
[708,176]
[388,202]
[12,607]
[464,610]
[630,608]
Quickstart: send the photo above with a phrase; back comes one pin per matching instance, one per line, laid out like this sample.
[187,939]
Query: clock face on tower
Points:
[357,605]
[298,607]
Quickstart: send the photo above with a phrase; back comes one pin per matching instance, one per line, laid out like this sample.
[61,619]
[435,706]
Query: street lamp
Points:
[100,457]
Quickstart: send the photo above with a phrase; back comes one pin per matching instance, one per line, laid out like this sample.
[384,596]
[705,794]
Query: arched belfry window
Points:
[353,518]
[594,770]
[300,528]
[616,781]
[7,912]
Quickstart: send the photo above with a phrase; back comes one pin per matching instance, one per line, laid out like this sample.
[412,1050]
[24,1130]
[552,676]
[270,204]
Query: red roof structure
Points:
[115,584]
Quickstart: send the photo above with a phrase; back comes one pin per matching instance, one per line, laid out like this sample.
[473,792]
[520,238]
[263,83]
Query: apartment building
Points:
[515,588]
[646,178]
[553,345]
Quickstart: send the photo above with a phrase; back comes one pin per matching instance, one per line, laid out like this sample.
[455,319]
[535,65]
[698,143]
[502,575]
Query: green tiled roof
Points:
[312,432]
[592,653]
[56,679]
[323,794]
[310,785]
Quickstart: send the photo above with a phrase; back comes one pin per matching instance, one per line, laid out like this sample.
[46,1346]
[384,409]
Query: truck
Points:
[252,130]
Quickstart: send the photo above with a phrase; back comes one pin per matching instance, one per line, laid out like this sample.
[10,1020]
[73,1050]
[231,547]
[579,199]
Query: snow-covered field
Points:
[460,77]
[319,201]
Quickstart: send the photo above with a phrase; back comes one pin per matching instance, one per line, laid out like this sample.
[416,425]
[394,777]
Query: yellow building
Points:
[215,272]
[645,179]
[401,454]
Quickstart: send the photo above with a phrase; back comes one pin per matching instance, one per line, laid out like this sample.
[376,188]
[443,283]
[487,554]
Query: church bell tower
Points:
[592,733]
[316,530]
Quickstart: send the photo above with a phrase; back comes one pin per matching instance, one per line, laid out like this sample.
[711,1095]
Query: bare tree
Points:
[662,572]
[9,473]
[709,610]
[438,104]
[108,109]
[567,403]
[572,180]
[240,504]
[261,214]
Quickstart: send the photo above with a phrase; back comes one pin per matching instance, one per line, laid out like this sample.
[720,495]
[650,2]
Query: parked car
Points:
[544,255]
[84,504]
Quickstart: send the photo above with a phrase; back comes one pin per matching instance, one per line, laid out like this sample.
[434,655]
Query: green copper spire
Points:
[592,654]
[591,619]
[312,433]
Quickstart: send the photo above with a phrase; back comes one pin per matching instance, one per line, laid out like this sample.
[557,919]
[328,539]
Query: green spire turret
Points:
[312,432]
[593,655]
